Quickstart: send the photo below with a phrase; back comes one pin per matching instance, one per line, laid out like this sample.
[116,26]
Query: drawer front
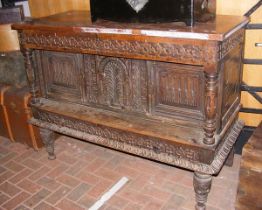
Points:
[62,76]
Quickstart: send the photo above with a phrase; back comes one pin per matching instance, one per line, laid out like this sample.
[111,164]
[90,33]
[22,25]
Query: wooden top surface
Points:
[80,22]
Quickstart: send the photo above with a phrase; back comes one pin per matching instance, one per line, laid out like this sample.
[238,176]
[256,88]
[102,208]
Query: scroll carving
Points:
[148,152]
[192,53]
[143,142]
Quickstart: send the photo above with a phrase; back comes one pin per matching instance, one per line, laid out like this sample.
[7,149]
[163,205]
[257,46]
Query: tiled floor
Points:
[82,172]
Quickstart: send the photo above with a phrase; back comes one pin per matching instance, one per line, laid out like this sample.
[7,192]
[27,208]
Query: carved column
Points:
[31,77]
[48,138]
[202,186]
[211,97]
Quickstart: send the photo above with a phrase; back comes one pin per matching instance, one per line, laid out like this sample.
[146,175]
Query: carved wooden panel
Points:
[177,90]
[231,84]
[116,83]
[62,74]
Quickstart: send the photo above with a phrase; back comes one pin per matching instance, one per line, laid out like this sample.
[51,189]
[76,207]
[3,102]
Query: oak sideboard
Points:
[165,91]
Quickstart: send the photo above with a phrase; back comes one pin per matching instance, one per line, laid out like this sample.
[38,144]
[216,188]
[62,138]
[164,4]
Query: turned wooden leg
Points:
[48,138]
[202,185]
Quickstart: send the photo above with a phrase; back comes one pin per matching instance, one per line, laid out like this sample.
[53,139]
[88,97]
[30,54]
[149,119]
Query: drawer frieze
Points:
[195,54]
[73,128]
[143,142]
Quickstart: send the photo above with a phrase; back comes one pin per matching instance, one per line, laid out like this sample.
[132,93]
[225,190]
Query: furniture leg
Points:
[202,185]
[48,137]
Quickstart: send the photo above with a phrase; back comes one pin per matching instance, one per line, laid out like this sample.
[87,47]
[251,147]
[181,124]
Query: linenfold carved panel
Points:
[62,75]
[177,89]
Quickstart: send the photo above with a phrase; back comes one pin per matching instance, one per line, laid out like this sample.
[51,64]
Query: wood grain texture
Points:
[250,181]
[50,7]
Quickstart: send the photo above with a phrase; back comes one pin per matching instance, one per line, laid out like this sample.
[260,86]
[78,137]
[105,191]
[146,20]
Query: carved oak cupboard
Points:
[167,92]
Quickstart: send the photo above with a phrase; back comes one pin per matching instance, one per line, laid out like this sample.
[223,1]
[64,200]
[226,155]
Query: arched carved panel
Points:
[113,88]
[116,83]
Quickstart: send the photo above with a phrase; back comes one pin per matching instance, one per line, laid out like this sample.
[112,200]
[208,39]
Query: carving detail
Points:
[113,90]
[134,144]
[117,83]
[178,90]
[202,185]
[192,53]
[232,42]
[127,138]
[62,75]
[210,107]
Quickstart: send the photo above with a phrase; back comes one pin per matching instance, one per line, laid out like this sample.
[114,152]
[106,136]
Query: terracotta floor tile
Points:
[57,195]
[156,192]
[21,175]
[44,206]
[100,188]
[48,183]
[6,175]
[82,172]
[36,198]
[153,205]
[77,167]
[57,171]
[86,201]
[68,180]
[7,157]
[9,189]
[13,166]
[34,165]
[118,201]
[68,205]
[29,186]
[15,201]
[3,198]
[174,202]
[78,192]
[22,207]
[39,173]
